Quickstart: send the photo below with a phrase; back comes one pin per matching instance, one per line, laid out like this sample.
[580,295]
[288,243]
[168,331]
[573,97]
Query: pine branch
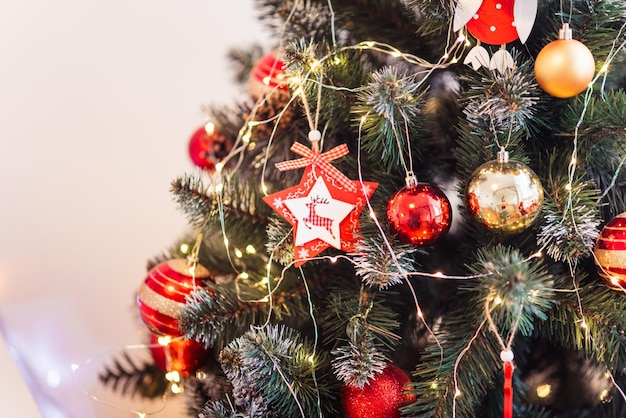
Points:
[523,291]
[571,217]
[145,380]
[391,104]
[237,201]
[274,366]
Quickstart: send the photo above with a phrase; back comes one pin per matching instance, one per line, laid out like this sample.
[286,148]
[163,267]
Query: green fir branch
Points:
[390,103]
[127,377]
[570,212]
[277,368]
[470,357]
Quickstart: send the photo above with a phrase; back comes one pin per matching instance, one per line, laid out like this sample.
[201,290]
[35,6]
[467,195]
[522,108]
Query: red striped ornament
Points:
[162,295]
[610,252]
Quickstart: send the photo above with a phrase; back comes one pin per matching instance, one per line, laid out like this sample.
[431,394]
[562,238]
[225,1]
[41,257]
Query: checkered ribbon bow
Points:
[321,160]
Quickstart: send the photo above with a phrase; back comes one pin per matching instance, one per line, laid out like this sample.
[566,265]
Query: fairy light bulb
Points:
[176,388]
[184,248]
[243,275]
[164,340]
[543,391]
[219,167]
[238,253]
[209,128]
[311,359]
[250,249]
[497,300]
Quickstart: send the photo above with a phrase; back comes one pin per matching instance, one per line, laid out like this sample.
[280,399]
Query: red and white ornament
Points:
[610,252]
[177,354]
[564,67]
[381,398]
[162,294]
[207,147]
[325,207]
[267,75]
[419,213]
[494,22]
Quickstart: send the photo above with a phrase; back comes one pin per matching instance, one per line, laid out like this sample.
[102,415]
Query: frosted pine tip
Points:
[506,356]
[315,135]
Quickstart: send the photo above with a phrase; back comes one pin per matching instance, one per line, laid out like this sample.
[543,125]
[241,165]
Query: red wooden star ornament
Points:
[325,207]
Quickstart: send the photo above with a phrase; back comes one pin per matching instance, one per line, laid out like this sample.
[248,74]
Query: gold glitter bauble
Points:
[505,196]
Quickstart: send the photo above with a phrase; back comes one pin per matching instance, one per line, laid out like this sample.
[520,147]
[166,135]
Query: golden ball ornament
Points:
[564,67]
[610,252]
[504,196]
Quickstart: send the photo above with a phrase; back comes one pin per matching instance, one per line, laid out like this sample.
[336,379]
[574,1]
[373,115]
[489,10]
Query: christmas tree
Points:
[419,211]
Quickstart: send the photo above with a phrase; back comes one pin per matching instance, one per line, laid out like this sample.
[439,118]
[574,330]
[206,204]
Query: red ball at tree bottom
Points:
[382,398]
[183,356]
[419,214]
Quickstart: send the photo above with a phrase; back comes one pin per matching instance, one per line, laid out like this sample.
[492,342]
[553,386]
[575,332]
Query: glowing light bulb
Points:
[209,128]
[192,270]
[419,313]
[176,388]
[568,186]
[461,37]
[311,358]
[250,249]
[219,167]
[497,300]
[184,248]
[457,393]
[164,340]
[543,391]
[265,280]
[264,188]
[438,274]
[173,376]
[369,44]
[333,259]
[583,324]
[246,137]
[238,253]
[226,241]
[604,68]
[243,275]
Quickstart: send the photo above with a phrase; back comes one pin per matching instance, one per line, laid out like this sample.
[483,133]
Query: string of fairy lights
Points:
[456,45]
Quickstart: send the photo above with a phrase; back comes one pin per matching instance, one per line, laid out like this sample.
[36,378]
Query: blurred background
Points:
[97,102]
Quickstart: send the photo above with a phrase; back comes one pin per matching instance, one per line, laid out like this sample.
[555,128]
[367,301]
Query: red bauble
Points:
[183,356]
[267,75]
[381,398]
[494,22]
[162,295]
[610,252]
[419,214]
[207,147]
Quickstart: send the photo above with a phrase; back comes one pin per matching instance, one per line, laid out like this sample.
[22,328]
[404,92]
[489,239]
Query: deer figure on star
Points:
[313,219]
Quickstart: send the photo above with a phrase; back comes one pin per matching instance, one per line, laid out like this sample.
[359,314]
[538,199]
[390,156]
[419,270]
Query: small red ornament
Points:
[381,398]
[162,295]
[175,354]
[207,147]
[610,252]
[419,214]
[267,75]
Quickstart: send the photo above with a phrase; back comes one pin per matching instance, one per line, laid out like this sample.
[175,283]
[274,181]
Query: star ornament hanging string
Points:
[325,207]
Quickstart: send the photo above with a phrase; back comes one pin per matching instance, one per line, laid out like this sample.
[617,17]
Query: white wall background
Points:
[97,102]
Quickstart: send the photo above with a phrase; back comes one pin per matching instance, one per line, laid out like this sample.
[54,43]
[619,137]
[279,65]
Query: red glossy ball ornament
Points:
[494,22]
[207,147]
[267,75]
[381,398]
[564,67]
[183,356]
[162,295]
[610,252]
[419,214]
